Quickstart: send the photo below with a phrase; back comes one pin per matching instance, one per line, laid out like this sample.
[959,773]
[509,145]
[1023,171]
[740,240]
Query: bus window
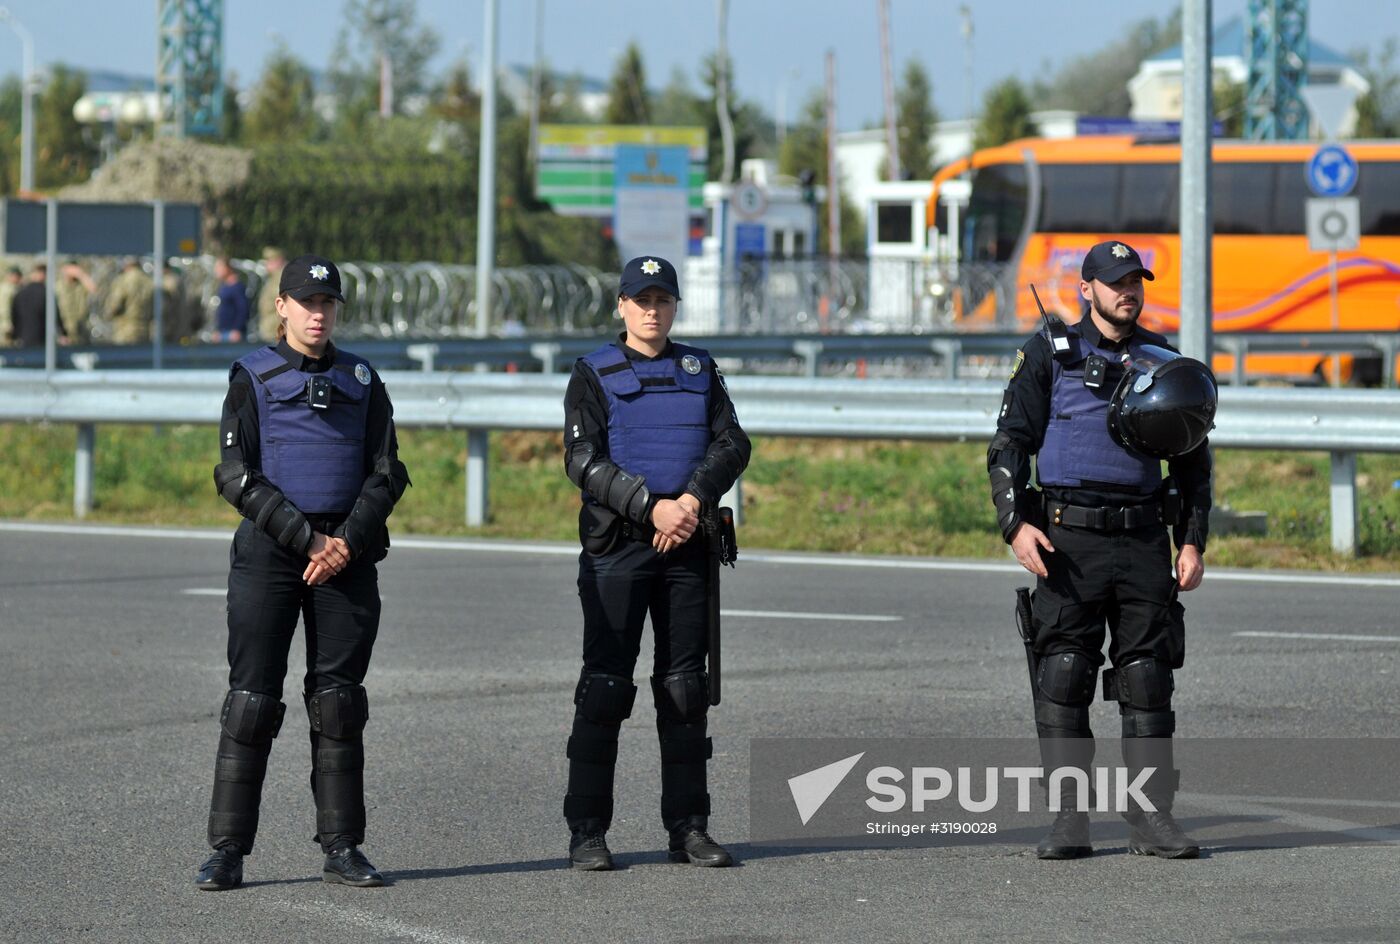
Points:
[1290,196]
[1080,198]
[1242,198]
[894,223]
[995,213]
[1377,183]
[1151,193]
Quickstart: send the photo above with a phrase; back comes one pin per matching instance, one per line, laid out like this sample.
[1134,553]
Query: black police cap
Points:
[310,275]
[649,272]
[1111,261]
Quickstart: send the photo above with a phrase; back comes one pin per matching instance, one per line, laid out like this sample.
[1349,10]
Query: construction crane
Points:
[1276,51]
[190,67]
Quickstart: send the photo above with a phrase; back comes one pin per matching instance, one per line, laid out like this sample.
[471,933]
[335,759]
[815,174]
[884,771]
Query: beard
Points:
[1123,317]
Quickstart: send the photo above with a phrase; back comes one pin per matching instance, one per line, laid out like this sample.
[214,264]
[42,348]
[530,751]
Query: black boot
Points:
[347,865]
[221,871]
[1068,837]
[1066,744]
[690,842]
[1154,833]
[588,805]
[1159,834]
[588,847]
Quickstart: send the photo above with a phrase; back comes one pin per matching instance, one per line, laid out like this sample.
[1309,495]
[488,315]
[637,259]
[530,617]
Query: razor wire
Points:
[432,300]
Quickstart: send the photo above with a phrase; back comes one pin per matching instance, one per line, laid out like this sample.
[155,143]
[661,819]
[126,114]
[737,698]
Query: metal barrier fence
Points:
[1340,422]
[950,354]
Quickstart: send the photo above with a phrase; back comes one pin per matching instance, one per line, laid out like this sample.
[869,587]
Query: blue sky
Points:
[778,45]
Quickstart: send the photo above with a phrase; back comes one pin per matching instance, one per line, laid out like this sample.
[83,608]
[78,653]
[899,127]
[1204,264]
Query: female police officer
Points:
[310,459]
[651,438]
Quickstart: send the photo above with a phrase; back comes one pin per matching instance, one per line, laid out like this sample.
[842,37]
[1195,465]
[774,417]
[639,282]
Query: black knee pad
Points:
[684,696]
[1142,685]
[603,698]
[1066,678]
[251,717]
[339,713]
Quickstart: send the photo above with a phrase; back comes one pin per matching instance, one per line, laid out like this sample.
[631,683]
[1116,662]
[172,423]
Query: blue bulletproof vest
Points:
[315,457]
[1078,447]
[658,413]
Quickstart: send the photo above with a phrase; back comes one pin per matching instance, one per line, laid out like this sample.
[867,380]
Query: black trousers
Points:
[1119,579]
[618,590]
[266,597]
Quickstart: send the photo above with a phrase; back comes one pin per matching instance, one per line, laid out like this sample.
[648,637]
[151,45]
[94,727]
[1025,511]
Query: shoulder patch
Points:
[1016,367]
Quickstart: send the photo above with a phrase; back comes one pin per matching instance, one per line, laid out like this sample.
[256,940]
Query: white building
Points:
[1156,88]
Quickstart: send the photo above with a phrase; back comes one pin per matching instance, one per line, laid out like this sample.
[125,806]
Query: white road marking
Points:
[378,925]
[1340,637]
[1263,806]
[787,614]
[205,592]
[815,559]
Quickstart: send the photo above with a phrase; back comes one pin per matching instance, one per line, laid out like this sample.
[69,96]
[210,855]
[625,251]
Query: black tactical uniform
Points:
[1107,512]
[307,446]
[639,429]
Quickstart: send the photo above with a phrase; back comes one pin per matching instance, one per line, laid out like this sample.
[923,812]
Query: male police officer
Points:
[1097,541]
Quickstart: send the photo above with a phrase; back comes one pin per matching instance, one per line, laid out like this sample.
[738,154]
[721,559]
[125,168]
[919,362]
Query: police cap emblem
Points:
[1120,250]
[362,374]
[651,267]
[690,364]
[320,273]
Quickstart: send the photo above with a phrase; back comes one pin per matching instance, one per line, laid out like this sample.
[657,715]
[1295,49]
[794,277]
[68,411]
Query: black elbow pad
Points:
[624,493]
[577,458]
[278,518]
[397,474]
[231,479]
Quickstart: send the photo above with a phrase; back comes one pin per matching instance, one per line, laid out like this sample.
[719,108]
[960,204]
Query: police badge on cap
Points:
[310,275]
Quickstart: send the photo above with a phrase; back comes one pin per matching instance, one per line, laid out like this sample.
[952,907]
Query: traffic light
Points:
[808,180]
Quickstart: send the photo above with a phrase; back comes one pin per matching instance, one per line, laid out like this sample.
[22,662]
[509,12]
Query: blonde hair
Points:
[281,320]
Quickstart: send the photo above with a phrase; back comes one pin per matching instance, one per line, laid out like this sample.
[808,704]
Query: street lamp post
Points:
[26,166]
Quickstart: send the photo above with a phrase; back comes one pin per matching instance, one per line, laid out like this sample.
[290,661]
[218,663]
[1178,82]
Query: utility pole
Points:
[1197,125]
[726,124]
[26,121]
[887,74]
[486,177]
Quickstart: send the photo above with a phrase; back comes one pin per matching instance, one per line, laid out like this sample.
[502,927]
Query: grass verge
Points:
[868,497]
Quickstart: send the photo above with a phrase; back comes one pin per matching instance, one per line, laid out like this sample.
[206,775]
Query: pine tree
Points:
[283,102]
[627,91]
[916,118]
[62,155]
[1006,115]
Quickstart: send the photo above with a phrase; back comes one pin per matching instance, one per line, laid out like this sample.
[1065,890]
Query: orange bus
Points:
[1037,205]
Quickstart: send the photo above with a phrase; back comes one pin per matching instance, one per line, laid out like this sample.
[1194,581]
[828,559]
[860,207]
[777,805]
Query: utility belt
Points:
[636,532]
[1106,518]
[326,524]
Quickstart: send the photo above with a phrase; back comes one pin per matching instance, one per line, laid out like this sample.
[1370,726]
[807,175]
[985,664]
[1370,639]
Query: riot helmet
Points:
[1165,404]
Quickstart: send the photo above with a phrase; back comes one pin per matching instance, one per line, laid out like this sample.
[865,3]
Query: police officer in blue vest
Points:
[309,457]
[652,440]
[1096,536]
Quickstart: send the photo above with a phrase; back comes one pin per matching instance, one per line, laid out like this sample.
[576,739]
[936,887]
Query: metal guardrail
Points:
[950,350]
[1340,422]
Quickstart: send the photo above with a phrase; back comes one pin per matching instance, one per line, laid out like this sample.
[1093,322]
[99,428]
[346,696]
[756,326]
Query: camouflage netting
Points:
[168,169]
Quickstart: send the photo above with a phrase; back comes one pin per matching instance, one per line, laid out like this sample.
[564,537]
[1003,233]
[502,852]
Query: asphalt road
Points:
[112,670]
